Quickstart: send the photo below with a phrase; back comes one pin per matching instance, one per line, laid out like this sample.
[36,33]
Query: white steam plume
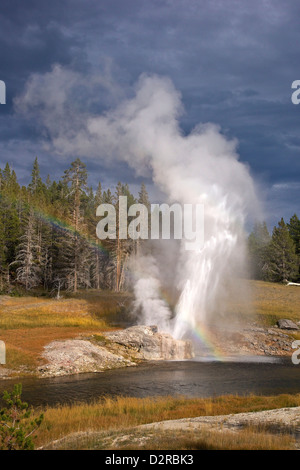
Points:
[201,167]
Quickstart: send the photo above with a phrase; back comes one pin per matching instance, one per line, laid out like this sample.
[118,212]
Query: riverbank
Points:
[40,332]
[112,350]
[228,422]
[29,324]
[267,430]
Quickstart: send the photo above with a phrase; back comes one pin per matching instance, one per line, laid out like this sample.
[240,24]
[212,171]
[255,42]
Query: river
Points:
[263,376]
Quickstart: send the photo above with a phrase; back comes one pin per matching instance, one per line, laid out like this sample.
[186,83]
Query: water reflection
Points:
[188,378]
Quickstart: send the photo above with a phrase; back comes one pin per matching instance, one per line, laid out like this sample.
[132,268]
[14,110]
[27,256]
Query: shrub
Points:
[16,428]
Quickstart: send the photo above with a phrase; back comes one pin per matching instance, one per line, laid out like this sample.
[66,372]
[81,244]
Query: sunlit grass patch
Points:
[30,312]
[122,413]
[27,324]
[276,300]
[17,358]
[42,320]
[268,302]
[24,347]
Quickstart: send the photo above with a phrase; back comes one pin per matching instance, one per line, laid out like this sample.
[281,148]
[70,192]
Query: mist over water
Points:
[174,288]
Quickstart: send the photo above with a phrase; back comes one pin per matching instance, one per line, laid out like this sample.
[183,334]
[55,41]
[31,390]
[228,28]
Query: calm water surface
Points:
[187,378]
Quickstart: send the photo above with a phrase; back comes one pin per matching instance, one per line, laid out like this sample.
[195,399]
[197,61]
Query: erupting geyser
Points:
[199,168]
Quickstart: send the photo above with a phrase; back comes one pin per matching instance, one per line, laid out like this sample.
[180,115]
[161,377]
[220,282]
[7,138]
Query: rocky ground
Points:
[253,340]
[279,420]
[77,356]
[145,342]
[276,422]
[133,345]
[112,350]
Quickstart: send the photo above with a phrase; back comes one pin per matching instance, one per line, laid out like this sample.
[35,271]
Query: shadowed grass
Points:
[244,439]
[201,439]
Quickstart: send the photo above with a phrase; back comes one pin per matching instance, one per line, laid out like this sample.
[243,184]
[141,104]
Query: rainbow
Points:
[201,333]
[201,336]
[60,224]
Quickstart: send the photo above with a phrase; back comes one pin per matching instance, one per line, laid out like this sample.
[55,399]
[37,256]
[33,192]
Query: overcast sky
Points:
[232,61]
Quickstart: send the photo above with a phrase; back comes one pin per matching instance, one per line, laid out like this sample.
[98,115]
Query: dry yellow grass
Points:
[244,439]
[273,301]
[141,439]
[264,302]
[25,346]
[31,312]
[27,324]
[123,413]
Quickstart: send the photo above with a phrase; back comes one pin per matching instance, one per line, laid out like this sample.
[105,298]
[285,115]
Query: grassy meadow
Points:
[106,424]
[274,301]
[28,323]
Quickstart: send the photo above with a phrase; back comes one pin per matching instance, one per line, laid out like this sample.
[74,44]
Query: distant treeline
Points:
[276,257]
[48,236]
[48,233]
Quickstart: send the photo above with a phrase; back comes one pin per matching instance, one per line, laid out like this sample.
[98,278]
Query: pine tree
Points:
[69,249]
[143,197]
[107,250]
[36,184]
[45,248]
[17,426]
[282,254]
[48,182]
[28,271]
[75,249]
[294,229]
[3,264]
[258,244]
[98,195]
[6,175]
[96,263]
[11,226]
[119,243]
[9,184]
[10,213]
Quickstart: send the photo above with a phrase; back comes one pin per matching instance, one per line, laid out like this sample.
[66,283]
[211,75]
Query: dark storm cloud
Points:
[233,62]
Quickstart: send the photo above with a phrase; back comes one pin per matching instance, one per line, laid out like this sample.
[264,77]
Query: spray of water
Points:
[199,168]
